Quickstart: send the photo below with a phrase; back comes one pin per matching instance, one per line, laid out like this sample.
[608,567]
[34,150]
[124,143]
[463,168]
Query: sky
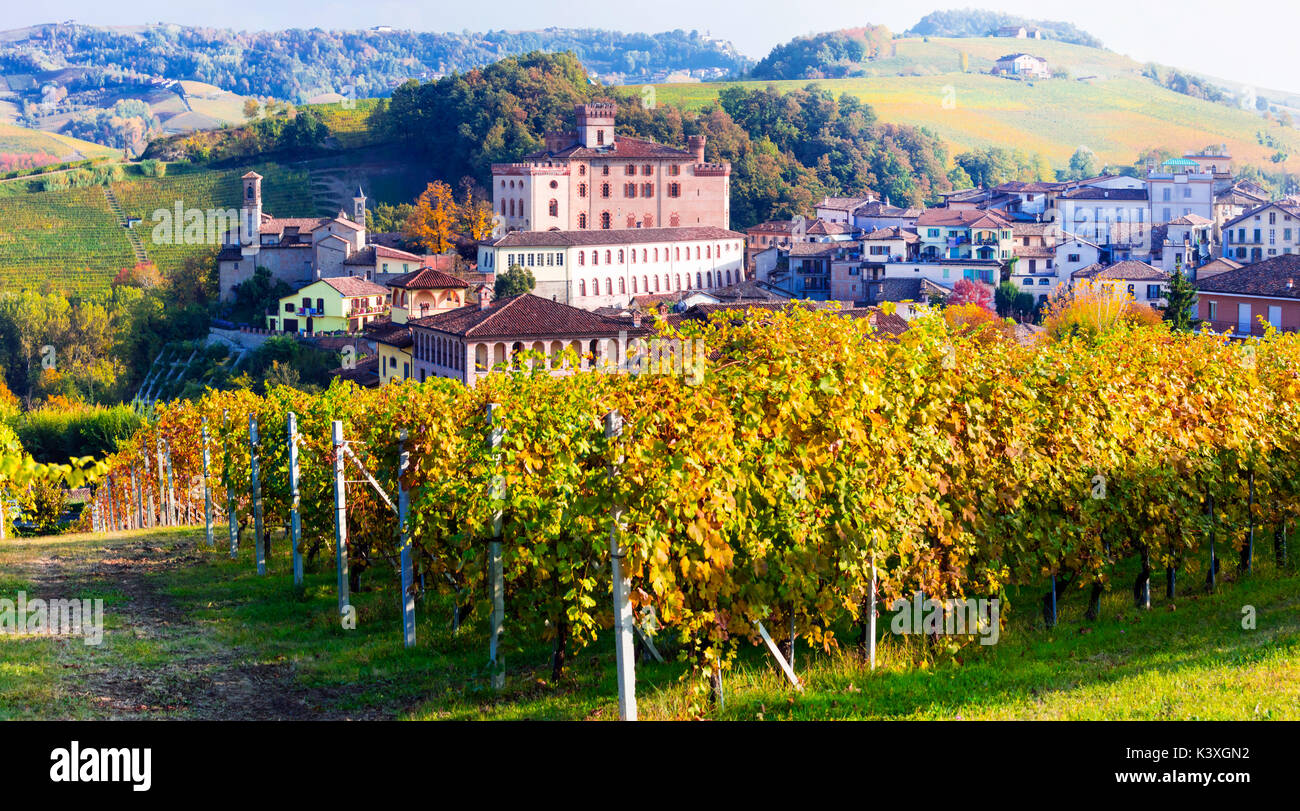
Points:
[1254,43]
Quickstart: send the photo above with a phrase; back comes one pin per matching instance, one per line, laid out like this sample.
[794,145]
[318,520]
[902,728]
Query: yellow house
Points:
[336,304]
[423,292]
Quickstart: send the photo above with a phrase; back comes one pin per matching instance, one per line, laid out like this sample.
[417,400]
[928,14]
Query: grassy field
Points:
[193,634]
[1117,114]
[21,141]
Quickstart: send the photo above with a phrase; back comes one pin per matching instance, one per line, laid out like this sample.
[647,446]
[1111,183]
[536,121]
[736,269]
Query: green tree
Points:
[1180,302]
[515,281]
[1004,298]
[1083,164]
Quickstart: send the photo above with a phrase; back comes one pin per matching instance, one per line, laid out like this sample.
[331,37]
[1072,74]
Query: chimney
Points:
[484,298]
[636,319]
[1290,283]
[695,143]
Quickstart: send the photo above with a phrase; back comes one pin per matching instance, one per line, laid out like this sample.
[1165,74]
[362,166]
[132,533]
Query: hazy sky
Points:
[1252,42]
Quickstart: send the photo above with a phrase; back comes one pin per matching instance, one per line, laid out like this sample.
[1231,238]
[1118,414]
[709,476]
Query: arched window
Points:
[604,190]
[553,208]
[656,284]
[595,257]
[679,281]
[697,251]
[512,208]
[582,170]
[622,286]
[620,255]
[677,253]
[634,285]
[582,257]
[609,257]
[645,282]
[582,287]
[708,251]
[503,202]
[645,254]
[633,254]
[582,189]
[604,220]
[582,220]
[609,287]
[698,283]
[595,287]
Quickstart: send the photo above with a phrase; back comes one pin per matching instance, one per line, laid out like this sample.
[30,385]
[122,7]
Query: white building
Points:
[1180,187]
[591,269]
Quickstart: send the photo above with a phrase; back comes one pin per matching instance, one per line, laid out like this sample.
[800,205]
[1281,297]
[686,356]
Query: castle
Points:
[591,179]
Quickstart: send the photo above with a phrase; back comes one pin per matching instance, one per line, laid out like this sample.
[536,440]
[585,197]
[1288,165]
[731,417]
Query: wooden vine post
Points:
[623,622]
[231,518]
[255,492]
[871,613]
[163,519]
[340,519]
[207,486]
[173,514]
[496,570]
[139,501]
[295,519]
[1248,551]
[404,530]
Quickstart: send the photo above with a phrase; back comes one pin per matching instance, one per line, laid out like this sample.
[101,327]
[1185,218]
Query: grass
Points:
[1117,115]
[21,140]
[194,634]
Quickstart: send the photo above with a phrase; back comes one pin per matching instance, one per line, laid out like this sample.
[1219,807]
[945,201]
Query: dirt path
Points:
[156,660]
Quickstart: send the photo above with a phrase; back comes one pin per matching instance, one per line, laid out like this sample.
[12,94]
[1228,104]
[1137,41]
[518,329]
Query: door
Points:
[1275,316]
[1243,318]
[290,325]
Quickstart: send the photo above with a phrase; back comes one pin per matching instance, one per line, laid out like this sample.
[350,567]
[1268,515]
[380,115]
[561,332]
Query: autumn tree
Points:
[433,221]
[966,291]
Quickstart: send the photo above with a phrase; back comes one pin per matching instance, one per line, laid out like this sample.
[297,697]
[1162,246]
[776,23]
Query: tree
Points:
[966,291]
[1180,302]
[1083,164]
[1005,298]
[513,282]
[251,108]
[433,221]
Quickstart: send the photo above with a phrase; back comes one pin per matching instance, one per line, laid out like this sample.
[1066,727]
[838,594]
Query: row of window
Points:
[704,280]
[652,254]
[647,220]
[1258,234]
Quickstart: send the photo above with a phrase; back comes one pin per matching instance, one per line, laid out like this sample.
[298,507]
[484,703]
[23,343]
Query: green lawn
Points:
[193,634]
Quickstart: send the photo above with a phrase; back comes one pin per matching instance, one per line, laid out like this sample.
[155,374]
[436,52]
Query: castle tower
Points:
[359,208]
[596,124]
[251,213]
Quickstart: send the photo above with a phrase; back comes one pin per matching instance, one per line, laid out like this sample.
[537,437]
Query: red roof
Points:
[427,279]
[522,316]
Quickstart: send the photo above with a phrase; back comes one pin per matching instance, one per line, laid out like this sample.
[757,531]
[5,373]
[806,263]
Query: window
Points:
[649,221]
[604,170]
[1153,291]
[647,190]
[600,141]
[288,306]
[620,255]
[647,170]
[582,169]
[595,257]
[582,220]
[553,208]
[674,190]
[582,189]
[622,286]
[629,190]
[609,257]
[605,221]
[555,184]
[1214,310]
[674,220]
[609,287]
[674,170]
[604,190]
[582,287]
[630,169]
[582,260]
[1074,257]
[631,221]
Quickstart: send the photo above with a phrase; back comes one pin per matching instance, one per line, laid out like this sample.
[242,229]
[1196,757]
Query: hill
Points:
[301,65]
[1107,105]
[971,22]
[18,140]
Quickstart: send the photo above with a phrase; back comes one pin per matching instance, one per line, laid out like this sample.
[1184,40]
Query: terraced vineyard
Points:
[73,239]
[69,238]
[349,126]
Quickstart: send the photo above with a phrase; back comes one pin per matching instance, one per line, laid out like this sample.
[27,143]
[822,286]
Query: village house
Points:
[948,233]
[591,179]
[840,209]
[1021,65]
[1246,298]
[1117,219]
[876,215]
[469,343]
[1272,229]
[334,304]
[1144,283]
[1020,32]
[892,244]
[591,269]
[1185,243]
[1180,186]
[417,294]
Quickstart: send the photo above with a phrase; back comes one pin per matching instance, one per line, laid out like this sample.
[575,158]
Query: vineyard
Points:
[72,240]
[814,475]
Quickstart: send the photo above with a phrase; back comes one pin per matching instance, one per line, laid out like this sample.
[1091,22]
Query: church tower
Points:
[359,208]
[251,211]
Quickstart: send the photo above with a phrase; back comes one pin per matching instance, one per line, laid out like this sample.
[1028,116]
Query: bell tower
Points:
[359,208]
[251,209]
